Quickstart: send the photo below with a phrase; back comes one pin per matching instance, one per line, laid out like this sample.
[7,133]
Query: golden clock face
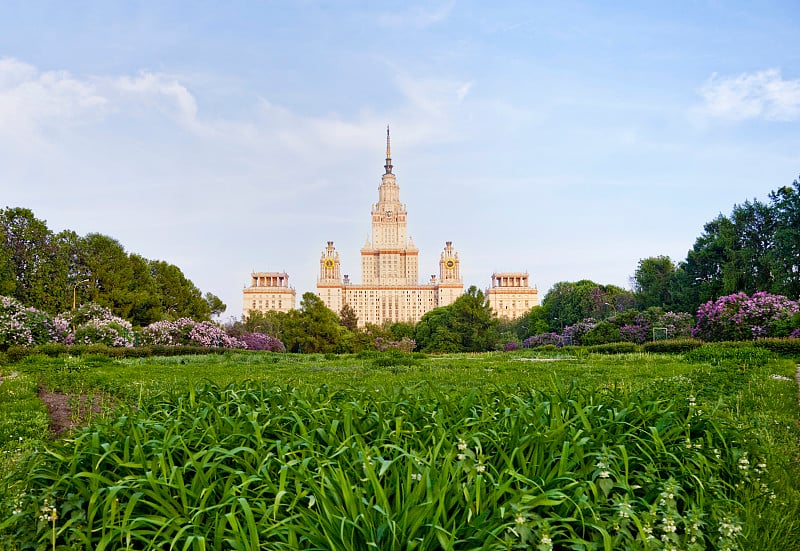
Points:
[329,263]
[450,264]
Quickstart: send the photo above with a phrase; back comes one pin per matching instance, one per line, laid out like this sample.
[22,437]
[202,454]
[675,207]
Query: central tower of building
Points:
[390,266]
[390,257]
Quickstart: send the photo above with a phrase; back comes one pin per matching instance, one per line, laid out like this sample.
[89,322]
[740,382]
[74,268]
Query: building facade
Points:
[510,295]
[390,289]
[268,291]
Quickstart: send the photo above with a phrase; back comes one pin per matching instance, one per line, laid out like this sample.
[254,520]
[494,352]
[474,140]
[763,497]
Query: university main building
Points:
[390,291]
[389,266]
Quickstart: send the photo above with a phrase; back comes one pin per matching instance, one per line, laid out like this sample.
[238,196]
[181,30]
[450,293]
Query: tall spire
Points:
[388,165]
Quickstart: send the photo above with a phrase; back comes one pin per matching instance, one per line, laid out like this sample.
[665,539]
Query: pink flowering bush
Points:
[638,331]
[116,332]
[403,345]
[13,327]
[93,324]
[26,326]
[262,341]
[678,325]
[542,339]
[186,331]
[573,334]
[741,317]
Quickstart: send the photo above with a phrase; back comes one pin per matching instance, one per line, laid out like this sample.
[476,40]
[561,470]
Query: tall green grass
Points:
[255,467]
[492,451]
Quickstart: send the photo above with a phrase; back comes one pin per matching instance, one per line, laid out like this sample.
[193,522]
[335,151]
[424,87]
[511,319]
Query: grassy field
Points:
[393,451]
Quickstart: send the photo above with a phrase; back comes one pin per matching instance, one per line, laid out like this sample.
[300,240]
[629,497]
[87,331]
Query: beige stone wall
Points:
[268,291]
[510,295]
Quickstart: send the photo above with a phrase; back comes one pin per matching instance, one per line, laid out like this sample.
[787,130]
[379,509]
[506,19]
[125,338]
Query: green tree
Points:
[179,297]
[467,325]
[435,331]
[31,266]
[215,305]
[401,330]
[567,303]
[785,256]
[110,274]
[146,306]
[652,282]
[313,328]
[532,323]
[348,318]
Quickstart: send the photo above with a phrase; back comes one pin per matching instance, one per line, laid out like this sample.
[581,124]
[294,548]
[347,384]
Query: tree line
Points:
[467,325]
[53,271]
[755,248]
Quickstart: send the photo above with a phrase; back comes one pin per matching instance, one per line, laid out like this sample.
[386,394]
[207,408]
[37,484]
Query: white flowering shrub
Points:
[26,326]
[185,331]
[93,324]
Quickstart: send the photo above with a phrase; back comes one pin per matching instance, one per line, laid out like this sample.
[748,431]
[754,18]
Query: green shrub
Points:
[603,333]
[740,353]
[672,346]
[17,352]
[782,347]
[614,348]
[392,358]
[53,349]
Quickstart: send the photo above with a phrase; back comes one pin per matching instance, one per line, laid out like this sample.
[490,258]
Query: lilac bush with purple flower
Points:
[678,325]
[26,326]
[186,331]
[542,339]
[510,346]
[93,324]
[262,341]
[405,344]
[573,333]
[13,327]
[104,331]
[636,332]
[742,317]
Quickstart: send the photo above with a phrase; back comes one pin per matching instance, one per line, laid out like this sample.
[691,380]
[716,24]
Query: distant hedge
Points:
[614,348]
[673,346]
[54,350]
[782,347]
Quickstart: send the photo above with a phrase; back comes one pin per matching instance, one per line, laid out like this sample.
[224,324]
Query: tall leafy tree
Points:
[313,328]
[567,302]
[215,304]
[31,266]
[348,317]
[652,282]
[179,297]
[144,293]
[467,325]
[785,256]
[755,249]
[109,272]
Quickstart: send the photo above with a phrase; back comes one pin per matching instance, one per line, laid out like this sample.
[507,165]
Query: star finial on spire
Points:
[388,165]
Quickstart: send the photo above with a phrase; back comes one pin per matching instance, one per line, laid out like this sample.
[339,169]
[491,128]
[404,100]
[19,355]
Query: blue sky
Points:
[565,139]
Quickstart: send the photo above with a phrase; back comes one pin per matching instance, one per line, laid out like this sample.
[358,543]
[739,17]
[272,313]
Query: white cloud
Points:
[180,102]
[763,94]
[32,101]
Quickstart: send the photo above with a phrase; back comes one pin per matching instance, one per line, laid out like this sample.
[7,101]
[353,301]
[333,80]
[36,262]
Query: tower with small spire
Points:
[390,288]
[389,257]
